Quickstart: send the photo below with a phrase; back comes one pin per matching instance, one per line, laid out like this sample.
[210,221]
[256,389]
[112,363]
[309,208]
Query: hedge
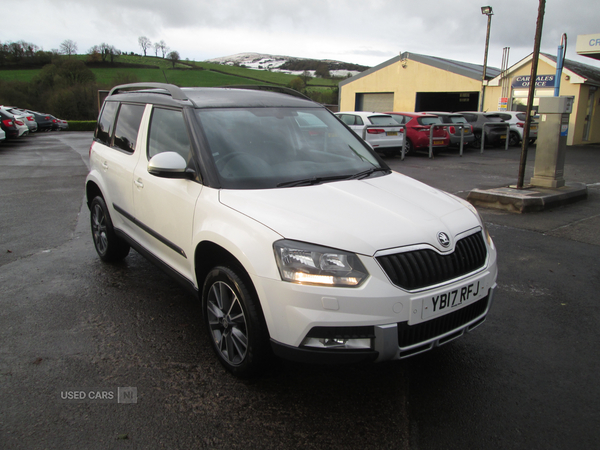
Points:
[82,125]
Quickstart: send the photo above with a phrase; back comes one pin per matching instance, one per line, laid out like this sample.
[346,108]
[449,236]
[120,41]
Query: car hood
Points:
[362,216]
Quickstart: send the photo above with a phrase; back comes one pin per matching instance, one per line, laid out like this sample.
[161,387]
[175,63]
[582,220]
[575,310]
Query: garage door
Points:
[380,102]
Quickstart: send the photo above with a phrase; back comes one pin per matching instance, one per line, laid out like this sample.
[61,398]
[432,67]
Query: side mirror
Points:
[169,165]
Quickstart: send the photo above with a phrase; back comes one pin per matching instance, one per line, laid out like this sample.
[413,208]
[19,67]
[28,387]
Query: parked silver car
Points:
[517,125]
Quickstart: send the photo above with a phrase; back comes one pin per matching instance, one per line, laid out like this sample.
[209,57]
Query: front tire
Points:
[108,245]
[233,321]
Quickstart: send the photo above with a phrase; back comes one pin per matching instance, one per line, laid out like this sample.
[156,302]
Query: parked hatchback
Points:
[381,131]
[309,248]
[517,125]
[455,124]
[488,123]
[418,129]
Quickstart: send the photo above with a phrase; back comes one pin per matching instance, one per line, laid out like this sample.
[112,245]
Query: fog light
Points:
[337,343]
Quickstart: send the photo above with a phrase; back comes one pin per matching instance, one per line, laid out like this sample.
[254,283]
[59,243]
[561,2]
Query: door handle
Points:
[105,165]
[139,183]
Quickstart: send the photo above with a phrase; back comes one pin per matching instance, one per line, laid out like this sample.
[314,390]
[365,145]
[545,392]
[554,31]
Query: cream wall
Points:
[405,82]
[567,88]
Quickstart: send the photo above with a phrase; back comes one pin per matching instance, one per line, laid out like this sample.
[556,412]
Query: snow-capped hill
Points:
[278,63]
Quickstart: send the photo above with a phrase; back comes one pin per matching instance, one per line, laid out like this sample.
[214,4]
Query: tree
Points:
[322,70]
[173,57]
[144,43]
[68,47]
[306,77]
[297,84]
[162,46]
[156,48]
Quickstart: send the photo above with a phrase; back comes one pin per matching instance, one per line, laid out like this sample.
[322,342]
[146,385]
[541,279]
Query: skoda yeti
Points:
[295,235]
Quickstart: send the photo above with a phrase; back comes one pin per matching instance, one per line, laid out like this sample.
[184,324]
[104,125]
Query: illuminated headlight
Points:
[303,263]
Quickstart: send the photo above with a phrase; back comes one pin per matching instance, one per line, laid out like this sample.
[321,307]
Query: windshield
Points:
[263,148]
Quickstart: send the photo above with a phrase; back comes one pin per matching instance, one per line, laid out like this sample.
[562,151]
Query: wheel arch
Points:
[92,190]
[209,255]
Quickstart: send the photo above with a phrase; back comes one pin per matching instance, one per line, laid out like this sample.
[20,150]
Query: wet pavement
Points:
[69,323]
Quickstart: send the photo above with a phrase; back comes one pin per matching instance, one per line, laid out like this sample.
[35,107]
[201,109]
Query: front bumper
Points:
[395,340]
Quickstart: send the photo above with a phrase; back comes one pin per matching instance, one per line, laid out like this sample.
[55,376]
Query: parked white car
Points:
[381,131]
[517,125]
[24,116]
[296,236]
[2,135]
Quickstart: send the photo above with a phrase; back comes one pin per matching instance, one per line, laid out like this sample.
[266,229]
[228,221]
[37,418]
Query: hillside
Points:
[287,64]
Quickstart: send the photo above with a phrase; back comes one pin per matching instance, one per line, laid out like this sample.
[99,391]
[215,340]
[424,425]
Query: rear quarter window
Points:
[106,121]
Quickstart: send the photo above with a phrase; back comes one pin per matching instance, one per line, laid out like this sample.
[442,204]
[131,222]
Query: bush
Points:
[82,125]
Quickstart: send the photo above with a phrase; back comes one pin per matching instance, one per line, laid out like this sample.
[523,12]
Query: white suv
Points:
[299,240]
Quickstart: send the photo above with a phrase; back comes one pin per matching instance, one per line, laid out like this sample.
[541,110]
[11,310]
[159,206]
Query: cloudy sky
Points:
[366,32]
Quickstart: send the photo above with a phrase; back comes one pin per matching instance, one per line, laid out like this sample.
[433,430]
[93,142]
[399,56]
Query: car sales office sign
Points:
[541,81]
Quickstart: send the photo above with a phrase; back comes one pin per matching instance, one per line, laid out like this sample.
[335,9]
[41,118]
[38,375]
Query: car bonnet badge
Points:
[443,239]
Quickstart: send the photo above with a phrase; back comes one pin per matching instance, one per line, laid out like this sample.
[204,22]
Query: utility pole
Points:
[532,79]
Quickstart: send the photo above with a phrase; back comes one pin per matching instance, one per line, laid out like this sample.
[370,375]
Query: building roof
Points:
[590,73]
[580,73]
[464,69]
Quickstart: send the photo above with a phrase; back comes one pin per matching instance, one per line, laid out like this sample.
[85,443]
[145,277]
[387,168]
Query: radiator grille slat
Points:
[422,268]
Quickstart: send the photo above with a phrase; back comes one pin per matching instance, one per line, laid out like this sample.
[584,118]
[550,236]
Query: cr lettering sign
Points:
[541,81]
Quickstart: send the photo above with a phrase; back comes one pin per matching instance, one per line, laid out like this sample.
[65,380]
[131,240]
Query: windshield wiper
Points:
[366,173]
[314,180]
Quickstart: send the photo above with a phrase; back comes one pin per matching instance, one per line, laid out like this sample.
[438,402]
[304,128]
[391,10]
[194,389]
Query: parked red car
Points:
[417,130]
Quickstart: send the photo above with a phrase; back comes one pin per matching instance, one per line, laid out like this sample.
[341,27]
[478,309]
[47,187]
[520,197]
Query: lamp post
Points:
[487,10]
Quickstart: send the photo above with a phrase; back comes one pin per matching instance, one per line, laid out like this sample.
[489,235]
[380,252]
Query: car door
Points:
[164,207]
[114,153]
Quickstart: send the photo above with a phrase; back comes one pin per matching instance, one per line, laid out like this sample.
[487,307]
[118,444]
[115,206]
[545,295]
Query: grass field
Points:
[186,73]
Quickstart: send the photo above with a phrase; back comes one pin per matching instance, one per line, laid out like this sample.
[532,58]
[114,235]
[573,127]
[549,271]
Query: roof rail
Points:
[269,87]
[171,89]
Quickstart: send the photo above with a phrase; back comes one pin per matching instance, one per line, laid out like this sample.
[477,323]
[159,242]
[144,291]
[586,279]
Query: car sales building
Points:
[414,82]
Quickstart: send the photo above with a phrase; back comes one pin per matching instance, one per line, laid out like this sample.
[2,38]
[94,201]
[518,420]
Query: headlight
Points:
[303,263]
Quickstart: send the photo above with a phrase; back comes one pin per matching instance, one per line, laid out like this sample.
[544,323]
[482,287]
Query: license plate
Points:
[503,136]
[467,131]
[392,133]
[438,142]
[435,305]
[533,127]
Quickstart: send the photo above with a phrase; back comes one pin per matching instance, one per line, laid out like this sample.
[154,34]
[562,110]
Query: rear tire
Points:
[514,139]
[108,245]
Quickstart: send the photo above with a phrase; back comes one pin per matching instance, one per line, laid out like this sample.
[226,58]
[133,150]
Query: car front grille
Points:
[421,268]
[409,335]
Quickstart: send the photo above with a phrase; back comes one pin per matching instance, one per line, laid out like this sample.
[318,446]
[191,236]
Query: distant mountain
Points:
[287,64]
